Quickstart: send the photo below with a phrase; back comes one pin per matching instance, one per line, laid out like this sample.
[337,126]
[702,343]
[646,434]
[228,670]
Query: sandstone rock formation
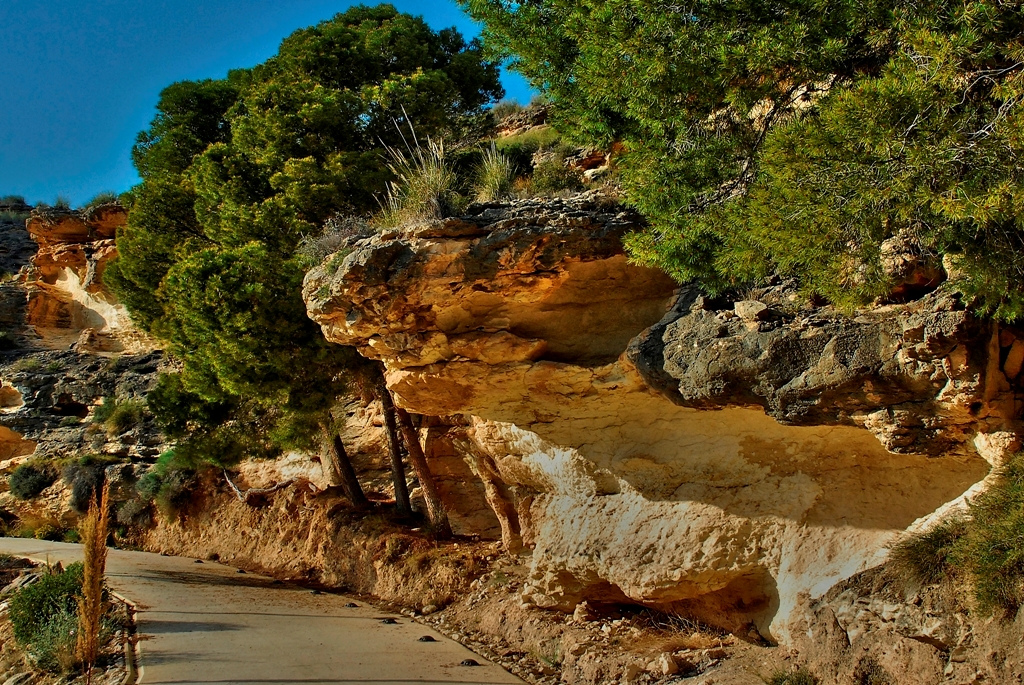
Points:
[731,459]
[67,301]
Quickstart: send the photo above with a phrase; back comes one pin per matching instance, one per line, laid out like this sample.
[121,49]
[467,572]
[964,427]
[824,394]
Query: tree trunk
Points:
[395,450]
[435,505]
[340,471]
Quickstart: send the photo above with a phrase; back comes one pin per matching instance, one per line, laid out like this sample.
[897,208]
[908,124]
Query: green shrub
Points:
[104,198]
[505,109]
[136,512]
[50,532]
[26,364]
[985,549]
[53,646]
[494,176]
[32,607]
[535,139]
[62,202]
[86,483]
[175,492]
[552,176]
[120,416]
[424,187]
[168,484]
[924,559]
[28,480]
[13,217]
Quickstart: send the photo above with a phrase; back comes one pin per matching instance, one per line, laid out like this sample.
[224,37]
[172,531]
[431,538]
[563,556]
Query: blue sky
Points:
[81,77]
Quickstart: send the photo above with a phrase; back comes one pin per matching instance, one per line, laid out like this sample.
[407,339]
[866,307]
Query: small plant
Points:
[49,532]
[169,485]
[798,677]
[136,513]
[923,559]
[104,198]
[53,646]
[26,364]
[8,341]
[11,216]
[39,616]
[62,202]
[424,185]
[338,232]
[69,421]
[85,482]
[494,177]
[29,480]
[552,176]
[119,416]
[93,530]
[505,109]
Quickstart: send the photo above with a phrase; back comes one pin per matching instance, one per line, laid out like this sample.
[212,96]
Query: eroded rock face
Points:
[67,301]
[738,460]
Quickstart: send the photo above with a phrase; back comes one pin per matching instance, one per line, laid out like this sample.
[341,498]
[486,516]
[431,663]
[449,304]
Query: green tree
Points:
[235,173]
[795,137]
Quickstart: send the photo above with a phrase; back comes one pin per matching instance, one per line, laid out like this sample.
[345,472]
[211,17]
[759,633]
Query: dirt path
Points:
[208,623]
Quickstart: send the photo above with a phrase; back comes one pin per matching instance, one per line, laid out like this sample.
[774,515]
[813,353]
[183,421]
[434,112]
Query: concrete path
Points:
[207,623]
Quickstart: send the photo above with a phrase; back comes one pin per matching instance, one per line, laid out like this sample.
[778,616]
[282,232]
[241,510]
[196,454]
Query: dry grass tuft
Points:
[93,531]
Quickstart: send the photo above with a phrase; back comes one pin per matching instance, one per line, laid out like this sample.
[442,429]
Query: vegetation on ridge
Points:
[795,139]
[235,173]
[984,548]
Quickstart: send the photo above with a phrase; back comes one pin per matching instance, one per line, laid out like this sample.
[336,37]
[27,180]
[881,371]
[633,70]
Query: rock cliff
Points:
[729,459]
[68,304]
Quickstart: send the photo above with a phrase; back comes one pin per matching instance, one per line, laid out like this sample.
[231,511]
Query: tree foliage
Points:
[795,137]
[235,173]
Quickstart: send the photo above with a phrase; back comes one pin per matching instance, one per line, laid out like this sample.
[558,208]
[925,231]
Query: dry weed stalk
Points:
[93,531]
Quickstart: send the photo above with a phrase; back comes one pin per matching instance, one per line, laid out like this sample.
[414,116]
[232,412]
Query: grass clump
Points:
[552,176]
[505,109]
[104,198]
[337,234]
[120,416]
[12,216]
[424,187]
[495,176]
[984,549]
[798,677]
[29,480]
[43,617]
[26,364]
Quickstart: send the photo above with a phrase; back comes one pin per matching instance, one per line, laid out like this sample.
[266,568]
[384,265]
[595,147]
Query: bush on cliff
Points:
[796,139]
[984,549]
[29,480]
[237,172]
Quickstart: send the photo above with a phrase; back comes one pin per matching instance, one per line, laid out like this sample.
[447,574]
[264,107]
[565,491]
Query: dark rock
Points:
[889,370]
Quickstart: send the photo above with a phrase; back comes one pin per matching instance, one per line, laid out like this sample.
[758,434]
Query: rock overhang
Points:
[728,459]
